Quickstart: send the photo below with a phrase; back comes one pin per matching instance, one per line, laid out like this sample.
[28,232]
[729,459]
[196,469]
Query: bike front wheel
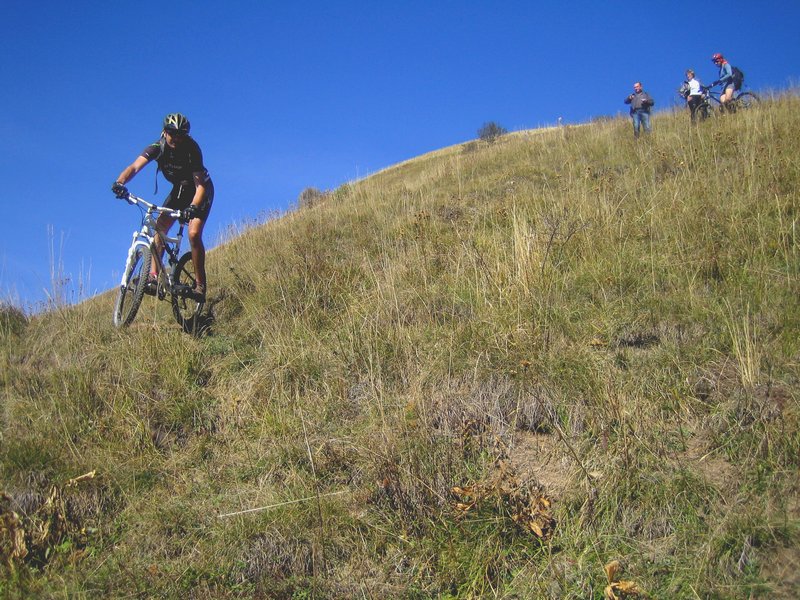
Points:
[186,305]
[131,291]
[747,100]
[702,112]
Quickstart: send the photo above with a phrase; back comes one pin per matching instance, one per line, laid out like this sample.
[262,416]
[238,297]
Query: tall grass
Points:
[566,328]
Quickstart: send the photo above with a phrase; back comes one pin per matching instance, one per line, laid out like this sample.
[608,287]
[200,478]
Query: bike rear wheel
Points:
[185,304]
[746,100]
[702,112]
[131,292]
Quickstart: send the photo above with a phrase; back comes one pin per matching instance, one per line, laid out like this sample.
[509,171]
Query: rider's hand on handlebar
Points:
[188,213]
[120,191]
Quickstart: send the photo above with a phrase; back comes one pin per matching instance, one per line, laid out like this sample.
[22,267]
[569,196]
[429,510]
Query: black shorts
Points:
[182,195]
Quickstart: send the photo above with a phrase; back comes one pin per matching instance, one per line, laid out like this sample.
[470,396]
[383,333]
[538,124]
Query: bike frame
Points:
[715,95]
[147,235]
[177,278]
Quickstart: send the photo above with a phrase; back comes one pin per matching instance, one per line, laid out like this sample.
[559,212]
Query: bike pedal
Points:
[182,290]
[151,287]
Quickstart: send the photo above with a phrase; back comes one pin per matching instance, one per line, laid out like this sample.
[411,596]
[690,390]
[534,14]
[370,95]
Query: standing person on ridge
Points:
[180,159]
[692,90]
[640,102]
[725,79]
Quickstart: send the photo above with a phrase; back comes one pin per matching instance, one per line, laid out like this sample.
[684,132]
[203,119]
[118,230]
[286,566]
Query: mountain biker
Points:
[725,79]
[180,159]
[640,102]
[692,90]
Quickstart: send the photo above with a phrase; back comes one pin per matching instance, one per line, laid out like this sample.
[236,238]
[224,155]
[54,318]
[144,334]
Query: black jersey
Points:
[180,163]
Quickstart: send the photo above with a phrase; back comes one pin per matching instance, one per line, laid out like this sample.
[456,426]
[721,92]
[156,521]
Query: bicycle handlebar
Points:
[131,199]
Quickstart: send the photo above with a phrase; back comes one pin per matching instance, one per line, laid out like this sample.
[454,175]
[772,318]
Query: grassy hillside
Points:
[491,371]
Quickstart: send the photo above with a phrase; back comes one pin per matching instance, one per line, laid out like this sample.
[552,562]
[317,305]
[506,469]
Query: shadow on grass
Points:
[201,325]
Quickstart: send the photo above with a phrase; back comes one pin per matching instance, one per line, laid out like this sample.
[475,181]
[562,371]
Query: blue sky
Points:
[284,96]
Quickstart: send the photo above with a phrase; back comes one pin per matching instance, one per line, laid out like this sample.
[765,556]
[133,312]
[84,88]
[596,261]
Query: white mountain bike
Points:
[177,278]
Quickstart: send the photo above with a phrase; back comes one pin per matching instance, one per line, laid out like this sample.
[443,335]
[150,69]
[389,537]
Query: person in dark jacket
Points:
[180,160]
[640,102]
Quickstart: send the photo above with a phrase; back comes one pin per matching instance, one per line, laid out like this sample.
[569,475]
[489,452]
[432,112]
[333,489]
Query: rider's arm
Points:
[200,180]
[726,73]
[132,169]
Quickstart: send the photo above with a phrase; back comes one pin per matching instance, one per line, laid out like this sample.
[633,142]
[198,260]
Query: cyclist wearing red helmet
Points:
[725,79]
[180,159]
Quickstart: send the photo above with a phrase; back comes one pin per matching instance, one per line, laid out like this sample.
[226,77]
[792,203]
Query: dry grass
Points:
[571,316]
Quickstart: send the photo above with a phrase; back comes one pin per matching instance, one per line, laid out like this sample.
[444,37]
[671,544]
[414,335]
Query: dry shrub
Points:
[12,320]
[13,549]
[502,493]
[311,197]
[491,132]
[67,513]
[463,424]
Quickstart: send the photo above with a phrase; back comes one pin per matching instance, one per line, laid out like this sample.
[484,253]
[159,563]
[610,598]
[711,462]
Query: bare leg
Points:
[198,251]
[163,225]
[727,98]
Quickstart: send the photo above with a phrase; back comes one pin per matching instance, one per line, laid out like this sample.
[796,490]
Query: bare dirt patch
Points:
[709,463]
[538,456]
[782,567]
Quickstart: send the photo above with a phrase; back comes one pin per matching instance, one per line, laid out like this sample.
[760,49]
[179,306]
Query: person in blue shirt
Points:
[725,80]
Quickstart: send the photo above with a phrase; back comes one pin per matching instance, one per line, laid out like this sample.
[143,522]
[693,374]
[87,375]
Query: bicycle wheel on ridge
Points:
[131,292]
[185,306]
[747,100]
[703,111]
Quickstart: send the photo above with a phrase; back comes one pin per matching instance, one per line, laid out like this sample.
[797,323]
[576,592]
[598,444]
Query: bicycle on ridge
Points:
[713,105]
[176,278]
